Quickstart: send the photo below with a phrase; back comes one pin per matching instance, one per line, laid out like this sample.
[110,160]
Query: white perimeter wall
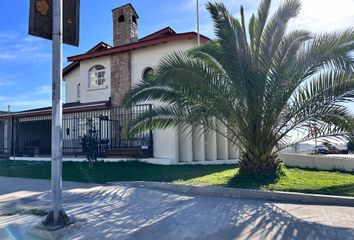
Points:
[321,162]
[80,75]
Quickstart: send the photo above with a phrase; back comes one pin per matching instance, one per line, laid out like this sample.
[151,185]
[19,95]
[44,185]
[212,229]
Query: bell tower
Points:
[125,25]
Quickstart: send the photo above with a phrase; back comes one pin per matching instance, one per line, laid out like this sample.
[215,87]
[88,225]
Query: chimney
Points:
[125,25]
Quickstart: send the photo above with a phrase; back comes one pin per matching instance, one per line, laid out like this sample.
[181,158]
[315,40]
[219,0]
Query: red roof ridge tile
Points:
[160,33]
[139,44]
[98,47]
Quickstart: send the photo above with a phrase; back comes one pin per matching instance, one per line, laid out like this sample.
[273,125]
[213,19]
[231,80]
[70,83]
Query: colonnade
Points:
[196,145]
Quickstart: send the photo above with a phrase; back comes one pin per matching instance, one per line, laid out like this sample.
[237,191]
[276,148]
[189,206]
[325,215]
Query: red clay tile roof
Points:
[161,33]
[139,44]
[99,47]
[67,108]
[162,36]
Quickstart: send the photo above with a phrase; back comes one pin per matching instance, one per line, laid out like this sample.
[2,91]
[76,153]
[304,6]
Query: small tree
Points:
[89,142]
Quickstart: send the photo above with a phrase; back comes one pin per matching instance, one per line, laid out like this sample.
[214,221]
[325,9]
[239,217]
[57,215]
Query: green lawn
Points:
[299,180]
[295,180]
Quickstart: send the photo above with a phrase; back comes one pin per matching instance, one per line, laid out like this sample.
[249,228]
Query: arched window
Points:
[121,18]
[78,91]
[148,73]
[134,20]
[97,76]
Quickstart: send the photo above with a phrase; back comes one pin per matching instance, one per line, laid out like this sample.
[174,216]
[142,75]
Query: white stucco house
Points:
[95,83]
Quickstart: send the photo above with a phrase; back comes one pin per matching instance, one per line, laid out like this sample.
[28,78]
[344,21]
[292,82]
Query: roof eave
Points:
[97,106]
[137,45]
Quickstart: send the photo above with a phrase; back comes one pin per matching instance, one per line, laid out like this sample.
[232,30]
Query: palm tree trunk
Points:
[264,166]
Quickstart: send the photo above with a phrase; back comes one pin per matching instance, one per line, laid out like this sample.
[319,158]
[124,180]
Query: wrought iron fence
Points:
[5,152]
[33,134]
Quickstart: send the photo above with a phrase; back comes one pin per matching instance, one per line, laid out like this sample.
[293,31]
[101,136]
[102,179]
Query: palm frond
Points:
[261,83]
[258,25]
[275,30]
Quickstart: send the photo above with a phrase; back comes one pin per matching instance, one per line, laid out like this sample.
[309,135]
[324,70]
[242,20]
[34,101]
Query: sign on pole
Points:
[41,20]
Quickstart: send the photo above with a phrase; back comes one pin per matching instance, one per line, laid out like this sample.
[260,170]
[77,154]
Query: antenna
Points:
[198,30]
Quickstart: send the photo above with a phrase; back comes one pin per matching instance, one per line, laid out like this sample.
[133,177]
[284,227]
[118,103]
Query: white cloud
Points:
[42,90]
[27,104]
[23,102]
[6,56]
[6,36]
[22,49]
[316,15]
[6,82]
[232,5]
[325,15]
[39,97]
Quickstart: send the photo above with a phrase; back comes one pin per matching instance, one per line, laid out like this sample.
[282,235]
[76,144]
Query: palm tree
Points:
[262,82]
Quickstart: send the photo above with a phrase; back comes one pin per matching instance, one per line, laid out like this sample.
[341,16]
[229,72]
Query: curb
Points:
[217,191]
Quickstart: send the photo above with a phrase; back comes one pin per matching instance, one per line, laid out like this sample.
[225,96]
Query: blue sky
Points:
[25,61]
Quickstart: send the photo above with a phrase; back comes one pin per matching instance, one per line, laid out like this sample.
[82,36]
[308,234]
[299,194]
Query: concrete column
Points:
[232,150]
[176,148]
[210,146]
[198,144]
[185,143]
[222,143]
[166,149]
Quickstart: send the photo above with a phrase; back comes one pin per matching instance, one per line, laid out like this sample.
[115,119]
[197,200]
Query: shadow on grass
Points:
[320,170]
[337,190]
[103,172]
[239,181]
[137,171]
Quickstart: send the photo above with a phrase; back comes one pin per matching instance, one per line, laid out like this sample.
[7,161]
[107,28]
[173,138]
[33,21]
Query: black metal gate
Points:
[33,134]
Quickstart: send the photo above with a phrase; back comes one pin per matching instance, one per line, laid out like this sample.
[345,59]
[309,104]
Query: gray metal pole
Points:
[57,109]
[57,216]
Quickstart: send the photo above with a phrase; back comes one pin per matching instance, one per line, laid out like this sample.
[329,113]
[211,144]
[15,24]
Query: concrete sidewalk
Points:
[10,185]
[123,212]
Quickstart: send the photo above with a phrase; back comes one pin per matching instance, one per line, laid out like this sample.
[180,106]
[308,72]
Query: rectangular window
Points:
[97,78]
[78,91]
[100,78]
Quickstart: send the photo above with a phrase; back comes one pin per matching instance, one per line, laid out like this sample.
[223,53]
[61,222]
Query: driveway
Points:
[121,212]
